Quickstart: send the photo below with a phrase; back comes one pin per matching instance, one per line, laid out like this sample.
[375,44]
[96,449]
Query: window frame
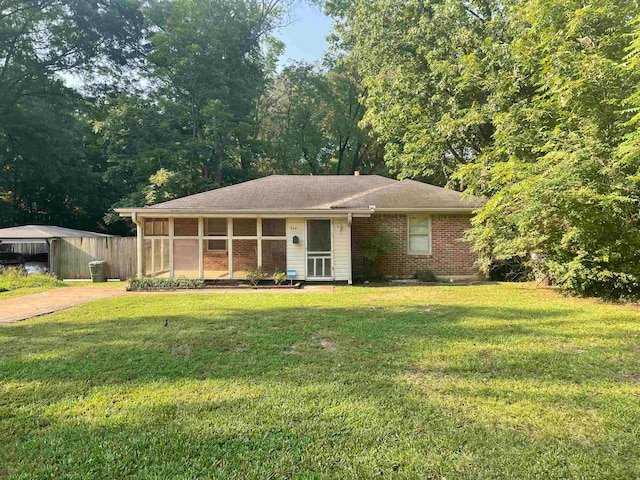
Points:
[164,226]
[409,235]
[175,229]
[284,234]
[206,231]
[241,219]
[226,245]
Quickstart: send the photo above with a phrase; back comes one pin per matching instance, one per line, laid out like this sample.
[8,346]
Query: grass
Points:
[490,381]
[22,291]
[110,284]
[15,282]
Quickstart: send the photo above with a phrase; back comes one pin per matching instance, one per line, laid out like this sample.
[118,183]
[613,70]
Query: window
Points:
[216,227]
[274,255]
[217,245]
[419,235]
[185,227]
[156,227]
[319,236]
[245,227]
[274,227]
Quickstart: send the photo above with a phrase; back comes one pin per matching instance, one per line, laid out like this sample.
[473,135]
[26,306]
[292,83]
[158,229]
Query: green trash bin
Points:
[98,271]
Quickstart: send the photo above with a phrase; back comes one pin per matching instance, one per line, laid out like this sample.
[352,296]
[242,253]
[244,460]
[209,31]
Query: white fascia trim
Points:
[158,213]
[428,210]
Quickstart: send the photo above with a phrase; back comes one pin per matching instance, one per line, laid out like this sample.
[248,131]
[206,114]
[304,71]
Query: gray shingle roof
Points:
[306,192]
[280,192]
[409,194]
[44,232]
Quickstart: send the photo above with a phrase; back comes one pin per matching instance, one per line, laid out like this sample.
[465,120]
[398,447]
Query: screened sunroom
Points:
[212,248]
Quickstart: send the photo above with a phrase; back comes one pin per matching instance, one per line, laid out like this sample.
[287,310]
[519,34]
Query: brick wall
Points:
[216,261]
[185,227]
[245,254]
[274,255]
[449,254]
[245,227]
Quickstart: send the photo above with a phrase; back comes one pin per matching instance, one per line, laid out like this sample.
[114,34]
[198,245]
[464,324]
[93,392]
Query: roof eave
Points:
[21,240]
[156,212]
[466,209]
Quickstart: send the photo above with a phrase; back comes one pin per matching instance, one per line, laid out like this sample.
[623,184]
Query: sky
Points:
[305,36]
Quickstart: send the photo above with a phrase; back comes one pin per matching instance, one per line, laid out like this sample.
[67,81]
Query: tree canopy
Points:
[109,103]
[528,103]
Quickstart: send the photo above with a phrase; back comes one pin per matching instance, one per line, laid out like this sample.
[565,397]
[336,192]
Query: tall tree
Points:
[47,173]
[291,122]
[310,123]
[207,69]
[523,102]
[428,80]
[554,171]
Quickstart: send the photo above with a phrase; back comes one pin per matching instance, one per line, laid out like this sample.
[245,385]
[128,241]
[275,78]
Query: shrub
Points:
[426,275]
[586,278]
[515,269]
[12,278]
[155,283]
[254,275]
[279,277]
[371,248]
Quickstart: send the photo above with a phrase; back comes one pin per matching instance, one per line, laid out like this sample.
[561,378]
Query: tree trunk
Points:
[341,150]
[356,158]
[217,175]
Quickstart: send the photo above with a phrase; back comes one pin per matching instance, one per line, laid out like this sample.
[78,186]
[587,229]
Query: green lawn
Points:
[491,381]
[29,286]
[16,283]
[22,291]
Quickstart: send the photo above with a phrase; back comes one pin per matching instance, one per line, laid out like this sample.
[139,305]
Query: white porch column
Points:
[230,245]
[200,247]
[259,232]
[139,244]
[350,278]
[171,233]
[153,257]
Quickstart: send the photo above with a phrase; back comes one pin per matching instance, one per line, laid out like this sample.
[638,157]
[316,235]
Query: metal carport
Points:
[28,238]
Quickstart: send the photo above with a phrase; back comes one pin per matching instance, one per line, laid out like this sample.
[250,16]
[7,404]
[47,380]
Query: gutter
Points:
[429,210]
[134,213]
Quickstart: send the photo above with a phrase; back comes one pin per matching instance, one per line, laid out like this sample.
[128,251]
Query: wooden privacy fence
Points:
[70,257]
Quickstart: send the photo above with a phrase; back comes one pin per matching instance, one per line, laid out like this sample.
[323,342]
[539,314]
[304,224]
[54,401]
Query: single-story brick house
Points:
[310,224]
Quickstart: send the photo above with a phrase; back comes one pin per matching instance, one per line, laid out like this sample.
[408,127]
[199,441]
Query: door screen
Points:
[319,249]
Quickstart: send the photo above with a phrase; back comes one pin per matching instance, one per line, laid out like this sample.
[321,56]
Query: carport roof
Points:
[43,232]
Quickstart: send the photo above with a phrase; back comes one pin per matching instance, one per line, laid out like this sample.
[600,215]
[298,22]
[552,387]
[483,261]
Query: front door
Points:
[319,250]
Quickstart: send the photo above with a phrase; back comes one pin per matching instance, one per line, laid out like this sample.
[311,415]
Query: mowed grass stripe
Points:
[488,381]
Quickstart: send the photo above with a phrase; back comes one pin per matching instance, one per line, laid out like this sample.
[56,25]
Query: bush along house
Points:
[321,227]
